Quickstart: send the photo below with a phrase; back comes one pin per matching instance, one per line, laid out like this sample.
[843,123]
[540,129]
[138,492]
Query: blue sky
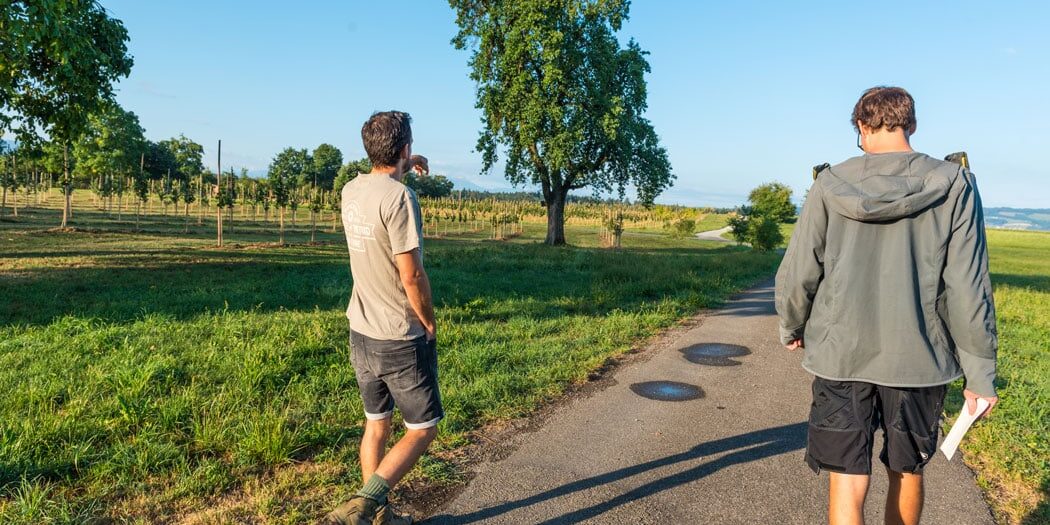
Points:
[740,92]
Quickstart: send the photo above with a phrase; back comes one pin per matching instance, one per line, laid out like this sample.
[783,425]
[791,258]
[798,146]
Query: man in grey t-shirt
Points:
[391,313]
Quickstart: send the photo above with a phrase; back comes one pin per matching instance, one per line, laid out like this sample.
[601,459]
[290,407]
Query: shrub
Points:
[761,231]
[681,227]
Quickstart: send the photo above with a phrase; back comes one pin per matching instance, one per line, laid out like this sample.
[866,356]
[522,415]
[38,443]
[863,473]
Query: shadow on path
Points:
[744,448]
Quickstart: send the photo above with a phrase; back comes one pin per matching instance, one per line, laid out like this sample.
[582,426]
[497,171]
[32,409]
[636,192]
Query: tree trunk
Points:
[3,203]
[313,225]
[282,225]
[218,211]
[67,190]
[14,179]
[556,217]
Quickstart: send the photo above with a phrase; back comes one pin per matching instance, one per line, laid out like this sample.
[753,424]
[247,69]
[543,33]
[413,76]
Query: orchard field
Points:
[149,376]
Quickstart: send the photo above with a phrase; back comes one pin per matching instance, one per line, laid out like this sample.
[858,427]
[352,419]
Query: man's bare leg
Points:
[904,498]
[846,499]
[404,455]
[373,446]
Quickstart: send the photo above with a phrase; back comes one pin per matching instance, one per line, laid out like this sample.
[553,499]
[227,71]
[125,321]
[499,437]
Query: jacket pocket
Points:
[831,302]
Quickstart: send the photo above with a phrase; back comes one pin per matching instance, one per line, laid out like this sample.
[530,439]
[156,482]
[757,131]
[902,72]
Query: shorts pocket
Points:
[832,406]
[919,411]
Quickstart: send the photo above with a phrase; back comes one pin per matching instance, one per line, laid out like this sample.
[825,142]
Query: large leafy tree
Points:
[188,165]
[561,99]
[327,159]
[350,171]
[159,160]
[111,145]
[773,200]
[58,62]
[429,185]
[285,173]
[759,222]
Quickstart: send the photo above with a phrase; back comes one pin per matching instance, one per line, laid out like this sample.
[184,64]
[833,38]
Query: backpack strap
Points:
[960,158]
[819,168]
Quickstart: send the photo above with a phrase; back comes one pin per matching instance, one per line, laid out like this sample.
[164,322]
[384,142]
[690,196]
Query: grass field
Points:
[149,377]
[1010,451]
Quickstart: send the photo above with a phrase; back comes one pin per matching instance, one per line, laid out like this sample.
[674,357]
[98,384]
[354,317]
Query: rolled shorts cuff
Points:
[378,417]
[426,424]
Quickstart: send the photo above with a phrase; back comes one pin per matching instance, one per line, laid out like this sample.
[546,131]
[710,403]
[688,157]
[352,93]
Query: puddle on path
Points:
[667,390]
[714,354]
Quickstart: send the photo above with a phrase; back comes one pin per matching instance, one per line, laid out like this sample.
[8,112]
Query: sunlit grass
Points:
[149,376]
[1011,450]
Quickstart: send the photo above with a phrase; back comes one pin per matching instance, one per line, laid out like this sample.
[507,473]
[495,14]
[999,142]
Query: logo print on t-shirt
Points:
[358,231]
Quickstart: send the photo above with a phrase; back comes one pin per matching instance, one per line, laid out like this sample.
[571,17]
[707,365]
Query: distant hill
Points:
[1017,218]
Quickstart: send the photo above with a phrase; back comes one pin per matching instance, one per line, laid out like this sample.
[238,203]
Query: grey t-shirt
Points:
[381,218]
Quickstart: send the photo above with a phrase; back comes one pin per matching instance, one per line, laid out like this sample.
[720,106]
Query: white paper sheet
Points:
[962,424]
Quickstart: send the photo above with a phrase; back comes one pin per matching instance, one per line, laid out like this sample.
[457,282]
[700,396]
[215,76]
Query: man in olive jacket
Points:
[885,285]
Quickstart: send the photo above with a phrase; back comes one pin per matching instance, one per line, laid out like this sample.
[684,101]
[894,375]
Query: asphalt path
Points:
[730,452]
[714,235]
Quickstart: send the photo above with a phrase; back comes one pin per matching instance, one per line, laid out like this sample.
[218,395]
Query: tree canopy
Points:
[759,223]
[111,144]
[773,200]
[58,62]
[188,156]
[285,173]
[429,185]
[561,99]
[327,160]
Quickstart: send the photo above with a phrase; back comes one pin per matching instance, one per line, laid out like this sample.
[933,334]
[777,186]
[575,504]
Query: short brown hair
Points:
[885,107]
[384,135]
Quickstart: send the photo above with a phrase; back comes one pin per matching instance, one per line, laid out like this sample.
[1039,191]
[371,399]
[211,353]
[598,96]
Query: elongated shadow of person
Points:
[744,448]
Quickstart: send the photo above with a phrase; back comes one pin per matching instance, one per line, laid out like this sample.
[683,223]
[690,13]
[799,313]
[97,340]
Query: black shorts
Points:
[845,415]
[398,373]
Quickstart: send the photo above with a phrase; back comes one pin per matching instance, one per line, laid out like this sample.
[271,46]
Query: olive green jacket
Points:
[886,275]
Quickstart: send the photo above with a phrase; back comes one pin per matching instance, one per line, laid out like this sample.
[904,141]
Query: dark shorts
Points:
[398,373]
[845,415]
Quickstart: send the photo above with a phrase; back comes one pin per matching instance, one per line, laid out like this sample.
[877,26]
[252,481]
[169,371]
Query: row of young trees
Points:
[562,99]
[117,162]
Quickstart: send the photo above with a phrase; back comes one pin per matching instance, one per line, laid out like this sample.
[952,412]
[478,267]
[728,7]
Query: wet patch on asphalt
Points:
[714,354]
[667,390]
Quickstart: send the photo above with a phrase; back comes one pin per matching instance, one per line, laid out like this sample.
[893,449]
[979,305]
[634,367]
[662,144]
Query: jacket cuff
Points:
[979,372]
[787,336]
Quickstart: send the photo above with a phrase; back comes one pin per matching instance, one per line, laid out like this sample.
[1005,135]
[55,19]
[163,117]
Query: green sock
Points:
[375,489]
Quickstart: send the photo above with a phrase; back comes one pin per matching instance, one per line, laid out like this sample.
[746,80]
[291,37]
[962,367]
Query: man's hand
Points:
[971,403]
[795,345]
[431,332]
[419,165]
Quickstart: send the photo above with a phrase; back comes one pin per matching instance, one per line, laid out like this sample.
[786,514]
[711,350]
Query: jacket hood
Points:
[887,186]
